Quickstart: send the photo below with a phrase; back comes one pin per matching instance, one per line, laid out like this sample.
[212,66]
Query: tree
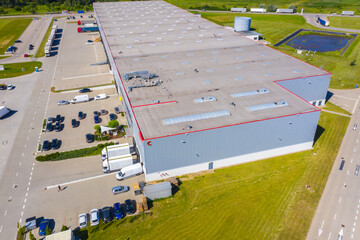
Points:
[47,230]
[113,124]
[262,5]
[272,8]
[17,8]
[2,11]
[97,128]
[64,228]
[292,7]
[31,236]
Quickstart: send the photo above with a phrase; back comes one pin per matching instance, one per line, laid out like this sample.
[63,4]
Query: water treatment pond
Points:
[318,42]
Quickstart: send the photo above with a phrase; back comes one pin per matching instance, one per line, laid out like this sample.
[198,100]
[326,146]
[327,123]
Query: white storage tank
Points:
[242,24]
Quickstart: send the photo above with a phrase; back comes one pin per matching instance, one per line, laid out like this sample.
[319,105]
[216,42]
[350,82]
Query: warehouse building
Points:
[198,96]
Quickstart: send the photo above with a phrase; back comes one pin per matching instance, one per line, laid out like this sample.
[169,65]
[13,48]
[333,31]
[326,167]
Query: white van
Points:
[129,171]
[100,96]
[80,98]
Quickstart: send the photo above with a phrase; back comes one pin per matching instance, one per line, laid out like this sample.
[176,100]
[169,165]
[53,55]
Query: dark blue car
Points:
[96,119]
[118,211]
[42,227]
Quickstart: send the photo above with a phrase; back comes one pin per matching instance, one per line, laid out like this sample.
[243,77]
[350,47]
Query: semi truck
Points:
[82,22]
[88,29]
[129,171]
[258,10]
[117,163]
[4,111]
[115,151]
[80,98]
[322,22]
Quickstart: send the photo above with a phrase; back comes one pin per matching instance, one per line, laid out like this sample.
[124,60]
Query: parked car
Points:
[90,42]
[55,143]
[112,116]
[94,217]
[49,127]
[120,189]
[96,119]
[62,102]
[58,118]
[107,214]
[51,119]
[75,123]
[81,115]
[42,227]
[89,138]
[58,126]
[129,206]
[10,87]
[17,41]
[3,87]
[103,112]
[31,47]
[96,113]
[84,90]
[46,145]
[117,110]
[83,220]
[118,211]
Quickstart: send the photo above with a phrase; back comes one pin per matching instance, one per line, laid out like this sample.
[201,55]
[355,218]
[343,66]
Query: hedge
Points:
[84,152]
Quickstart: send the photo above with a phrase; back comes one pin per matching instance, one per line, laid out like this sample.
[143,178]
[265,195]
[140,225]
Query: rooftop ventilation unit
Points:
[280,103]
[205,99]
[196,117]
[250,93]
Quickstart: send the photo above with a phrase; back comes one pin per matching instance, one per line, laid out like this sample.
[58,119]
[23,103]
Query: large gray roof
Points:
[195,58]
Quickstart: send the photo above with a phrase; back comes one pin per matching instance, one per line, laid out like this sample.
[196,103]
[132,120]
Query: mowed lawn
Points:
[10,30]
[259,200]
[274,27]
[345,22]
[16,69]
[318,6]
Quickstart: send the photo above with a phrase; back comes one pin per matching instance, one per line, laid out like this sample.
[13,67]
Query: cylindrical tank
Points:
[242,24]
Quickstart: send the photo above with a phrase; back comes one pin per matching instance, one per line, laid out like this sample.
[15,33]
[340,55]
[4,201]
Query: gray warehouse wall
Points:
[211,145]
[310,88]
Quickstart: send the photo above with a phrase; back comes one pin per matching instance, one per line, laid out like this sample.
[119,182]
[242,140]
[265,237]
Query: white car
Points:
[355,126]
[10,87]
[100,96]
[94,217]
[83,220]
[62,102]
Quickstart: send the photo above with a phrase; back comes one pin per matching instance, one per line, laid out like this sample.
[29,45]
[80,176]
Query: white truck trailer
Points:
[129,171]
[4,111]
[115,151]
[258,10]
[80,98]
[117,163]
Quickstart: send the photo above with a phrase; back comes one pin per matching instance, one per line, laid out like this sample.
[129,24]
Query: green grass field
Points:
[334,108]
[15,69]
[345,22]
[10,30]
[41,52]
[320,6]
[260,200]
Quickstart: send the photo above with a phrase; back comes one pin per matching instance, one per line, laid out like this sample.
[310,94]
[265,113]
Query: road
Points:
[337,215]
[310,19]
[32,35]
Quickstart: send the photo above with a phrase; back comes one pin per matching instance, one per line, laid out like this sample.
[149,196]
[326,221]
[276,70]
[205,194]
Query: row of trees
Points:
[273,8]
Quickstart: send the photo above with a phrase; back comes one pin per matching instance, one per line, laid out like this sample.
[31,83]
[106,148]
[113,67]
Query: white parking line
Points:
[22,155]
[329,236]
[81,180]
[27,138]
[1,229]
[339,200]
[26,194]
[5,212]
[351,160]
[334,216]
[27,189]
[84,76]
[354,149]
[19,164]
[352,236]
[25,200]
[348,172]
[353,229]
[22,213]
[17,173]
[23,206]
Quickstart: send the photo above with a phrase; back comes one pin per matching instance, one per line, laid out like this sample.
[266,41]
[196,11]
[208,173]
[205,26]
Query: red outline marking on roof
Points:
[151,104]
[140,134]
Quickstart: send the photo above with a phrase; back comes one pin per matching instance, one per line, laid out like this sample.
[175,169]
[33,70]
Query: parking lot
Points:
[75,57]
[74,138]
[84,185]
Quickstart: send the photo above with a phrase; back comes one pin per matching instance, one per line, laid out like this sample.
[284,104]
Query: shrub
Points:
[97,128]
[21,231]
[113,124]
[262,5]
[122,114]
[272,8]
[47,230]
[84,152]
[44,123]
[31,236]
[64,228]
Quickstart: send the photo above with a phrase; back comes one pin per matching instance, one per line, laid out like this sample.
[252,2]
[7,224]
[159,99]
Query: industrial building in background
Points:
[198,96]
